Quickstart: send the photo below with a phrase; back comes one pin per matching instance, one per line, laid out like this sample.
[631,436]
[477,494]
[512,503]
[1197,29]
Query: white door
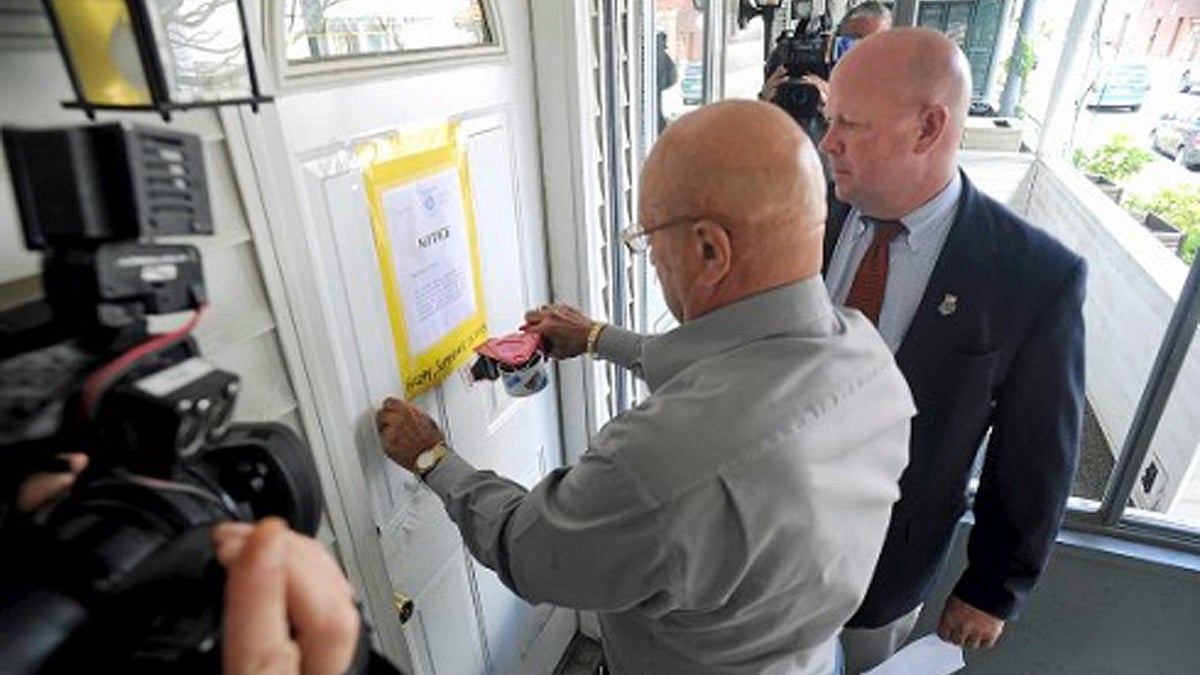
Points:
[465,620]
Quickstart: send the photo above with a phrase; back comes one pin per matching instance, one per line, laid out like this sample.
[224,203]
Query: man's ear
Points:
[715,252]
[935,120]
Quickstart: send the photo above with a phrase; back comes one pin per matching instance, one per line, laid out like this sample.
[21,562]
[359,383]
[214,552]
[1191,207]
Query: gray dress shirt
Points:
[911,258]
[729,523]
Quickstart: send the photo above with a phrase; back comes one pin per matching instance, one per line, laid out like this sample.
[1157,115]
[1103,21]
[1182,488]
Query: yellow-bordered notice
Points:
[419,191]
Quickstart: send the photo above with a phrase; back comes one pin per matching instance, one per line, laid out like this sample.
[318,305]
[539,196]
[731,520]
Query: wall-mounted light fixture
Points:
[158,55]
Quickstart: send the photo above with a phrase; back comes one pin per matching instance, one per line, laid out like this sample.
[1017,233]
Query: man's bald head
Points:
[917,65]
[747,169]
[905,94]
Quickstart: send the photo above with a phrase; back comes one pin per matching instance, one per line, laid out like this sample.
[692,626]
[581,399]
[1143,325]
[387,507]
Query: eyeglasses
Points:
[637,236]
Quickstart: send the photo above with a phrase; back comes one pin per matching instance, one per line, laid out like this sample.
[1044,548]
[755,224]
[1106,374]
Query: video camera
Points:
[120,573]
[806,50]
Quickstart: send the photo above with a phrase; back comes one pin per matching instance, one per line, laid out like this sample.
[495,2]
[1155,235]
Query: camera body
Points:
[807,53]
[121,571]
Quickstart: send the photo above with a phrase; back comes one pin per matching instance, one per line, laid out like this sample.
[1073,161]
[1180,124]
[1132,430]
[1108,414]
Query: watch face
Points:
[425,460]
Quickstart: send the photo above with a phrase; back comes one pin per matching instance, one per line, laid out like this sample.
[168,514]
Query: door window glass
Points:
[321,30]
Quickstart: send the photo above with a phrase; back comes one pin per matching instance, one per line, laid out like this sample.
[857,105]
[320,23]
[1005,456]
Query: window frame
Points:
[291,76]
[1113,515]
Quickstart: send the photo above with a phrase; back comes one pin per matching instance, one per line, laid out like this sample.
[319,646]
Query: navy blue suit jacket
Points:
[996,343]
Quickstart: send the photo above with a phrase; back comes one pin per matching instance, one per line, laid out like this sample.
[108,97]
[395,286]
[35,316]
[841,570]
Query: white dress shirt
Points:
[911,259]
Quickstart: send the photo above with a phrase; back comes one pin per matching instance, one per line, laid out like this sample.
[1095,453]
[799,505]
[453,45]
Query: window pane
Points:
[320,30]
[201,49]
[1136,218]
[679,58]
[678,50]
[1168,483]
[744,60]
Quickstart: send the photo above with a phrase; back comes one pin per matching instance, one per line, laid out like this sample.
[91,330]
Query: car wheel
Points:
[1185,83]
[1179,156]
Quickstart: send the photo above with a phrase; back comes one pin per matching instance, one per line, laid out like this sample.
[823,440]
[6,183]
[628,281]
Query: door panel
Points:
[516,437]
[440,605]
[465,620]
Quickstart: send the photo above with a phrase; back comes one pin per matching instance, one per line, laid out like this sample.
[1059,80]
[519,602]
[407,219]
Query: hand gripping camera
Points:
[121,573]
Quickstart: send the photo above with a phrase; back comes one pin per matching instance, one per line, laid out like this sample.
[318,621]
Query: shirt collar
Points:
[921,224]
[802,308]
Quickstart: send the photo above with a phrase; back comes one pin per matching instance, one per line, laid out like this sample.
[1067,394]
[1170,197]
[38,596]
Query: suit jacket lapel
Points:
[958,287]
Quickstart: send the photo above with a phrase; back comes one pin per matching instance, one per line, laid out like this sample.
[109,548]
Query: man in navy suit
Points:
[984,315]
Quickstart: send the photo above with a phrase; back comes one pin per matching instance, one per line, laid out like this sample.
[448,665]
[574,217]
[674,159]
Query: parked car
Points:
[1119,85]
[692,84]
[1178,135]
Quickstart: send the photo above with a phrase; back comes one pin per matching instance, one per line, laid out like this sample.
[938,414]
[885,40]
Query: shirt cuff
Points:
[620,346]
[443,477]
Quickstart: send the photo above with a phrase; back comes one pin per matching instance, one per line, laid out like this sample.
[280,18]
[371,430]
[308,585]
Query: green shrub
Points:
[1116,160]
[1179,206]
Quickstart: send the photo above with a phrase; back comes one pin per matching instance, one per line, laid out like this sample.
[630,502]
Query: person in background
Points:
[728,523]
[666,74]
[984,313]
[861,22]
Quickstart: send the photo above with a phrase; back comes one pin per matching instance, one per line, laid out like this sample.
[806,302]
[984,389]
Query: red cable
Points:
[99,381]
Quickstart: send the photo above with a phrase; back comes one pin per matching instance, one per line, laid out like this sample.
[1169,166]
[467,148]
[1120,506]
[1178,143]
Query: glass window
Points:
[744,59]
[319,30]
[679,62]
[1167,489]
[1134,137]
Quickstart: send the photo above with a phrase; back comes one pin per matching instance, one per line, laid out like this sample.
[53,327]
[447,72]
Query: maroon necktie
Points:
[870,281]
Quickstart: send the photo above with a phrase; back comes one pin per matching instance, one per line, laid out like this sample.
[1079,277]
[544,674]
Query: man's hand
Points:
[406,431]
[967,626]
[821,86]
[288,607]
[563,328]
[40,488]
[777,77]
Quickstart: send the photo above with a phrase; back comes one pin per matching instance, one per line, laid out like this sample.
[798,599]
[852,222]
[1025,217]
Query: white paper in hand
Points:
[928,656]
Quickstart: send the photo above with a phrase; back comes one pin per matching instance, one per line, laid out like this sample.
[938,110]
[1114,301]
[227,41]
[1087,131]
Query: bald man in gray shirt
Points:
[729,523]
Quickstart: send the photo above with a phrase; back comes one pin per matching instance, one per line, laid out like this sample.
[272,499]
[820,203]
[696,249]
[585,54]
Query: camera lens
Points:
[800,100]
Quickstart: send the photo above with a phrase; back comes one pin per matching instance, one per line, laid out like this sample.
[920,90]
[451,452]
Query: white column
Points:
[1068,79]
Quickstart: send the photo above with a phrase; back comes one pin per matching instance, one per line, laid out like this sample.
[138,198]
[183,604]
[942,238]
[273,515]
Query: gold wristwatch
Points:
[428,459]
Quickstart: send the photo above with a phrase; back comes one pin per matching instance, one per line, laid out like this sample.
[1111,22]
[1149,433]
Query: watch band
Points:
[436,454]
[594,335]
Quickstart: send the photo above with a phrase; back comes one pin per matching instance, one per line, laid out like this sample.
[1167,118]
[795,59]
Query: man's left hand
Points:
[771,86]
[406,431]
[967,626]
